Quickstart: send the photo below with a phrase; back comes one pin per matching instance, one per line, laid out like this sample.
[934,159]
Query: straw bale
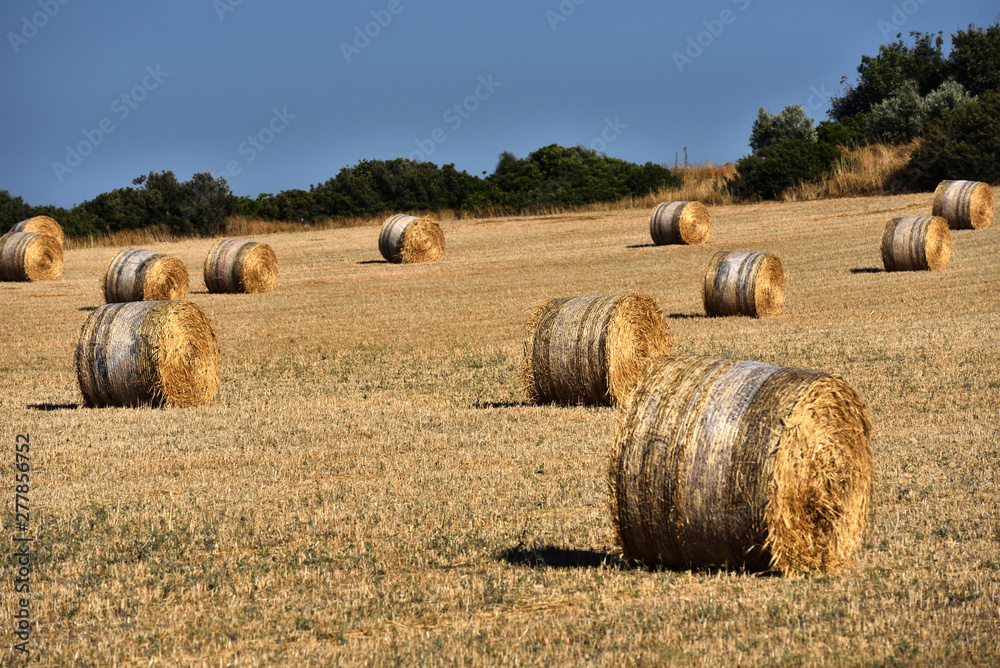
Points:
[136,275]
[147,353]
[916,243]
[743,465]
[966,205]
[680,223]
[236,265]
[30,256]
[591,350]
[741,283]
[42,225]
[410,239]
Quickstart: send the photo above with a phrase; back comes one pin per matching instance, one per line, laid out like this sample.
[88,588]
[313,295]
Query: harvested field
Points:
[370,485]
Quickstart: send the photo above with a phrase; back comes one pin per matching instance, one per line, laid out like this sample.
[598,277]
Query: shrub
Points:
[904,116]
[791,123]
[767,173]
[963,144]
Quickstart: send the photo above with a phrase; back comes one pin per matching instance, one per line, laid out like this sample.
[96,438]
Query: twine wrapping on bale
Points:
[30,256]
[680,223]
[235,265]
[916,243]
[147,354]
[739,283]
[136,275]
[591,350]
[741,464]
[42,225]
[409,239]
[966,205]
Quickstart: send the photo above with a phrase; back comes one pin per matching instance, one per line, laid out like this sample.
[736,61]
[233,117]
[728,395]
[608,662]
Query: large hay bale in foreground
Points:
[147,354]
[410,239]
[42,225]
[741,464]
[680,223]
[916,243]
[741,283]
[136,275]
[966,205]
[30,256]
[236,265]
[591,350]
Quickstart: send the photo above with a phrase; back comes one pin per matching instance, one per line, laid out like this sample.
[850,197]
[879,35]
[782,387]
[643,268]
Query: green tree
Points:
[791,123]
[773,169]
[974,60]
[12,211]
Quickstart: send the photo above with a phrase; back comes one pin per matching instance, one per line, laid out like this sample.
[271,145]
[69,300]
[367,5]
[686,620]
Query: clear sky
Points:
[283,95]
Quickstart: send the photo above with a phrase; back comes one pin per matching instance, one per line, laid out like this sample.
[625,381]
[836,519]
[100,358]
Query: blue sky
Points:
[284,96]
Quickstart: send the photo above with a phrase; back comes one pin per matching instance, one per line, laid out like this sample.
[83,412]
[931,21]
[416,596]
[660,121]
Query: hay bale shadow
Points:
[867,270]
[687,316]
[548,556]
[480,404]
[642,246]
[53,407]
[88,308]
[374,262]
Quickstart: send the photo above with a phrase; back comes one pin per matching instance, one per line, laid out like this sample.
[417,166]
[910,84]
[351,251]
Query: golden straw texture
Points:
[30,256]
[409,239]
[741,464]
[680,223]
[147,353]
[591,350]
[136,275]
[739,283]
[42,225]
[236,265]
[966,205]
[916,243]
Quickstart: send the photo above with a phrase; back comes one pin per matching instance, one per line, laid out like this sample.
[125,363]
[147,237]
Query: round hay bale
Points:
[916,243]
[410,239]
[147,353]
[966,205]
[136,275]
[235,265]
[42,225]
[680,223]
[739,283]
[591,350]
[30,256]
[741,464]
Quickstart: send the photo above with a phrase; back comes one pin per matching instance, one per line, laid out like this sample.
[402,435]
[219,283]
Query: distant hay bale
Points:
[680,223]
[147,353]
[30,256]
[916,243]
[739,283]
[42,225]
[741,464]
[966,205]
[591,350]
[409,239]
[136,275]
[236,265]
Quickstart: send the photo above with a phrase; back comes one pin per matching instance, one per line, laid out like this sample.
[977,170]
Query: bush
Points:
[963,144]
[904,116]
[850,131]
[766,174]
[770,129]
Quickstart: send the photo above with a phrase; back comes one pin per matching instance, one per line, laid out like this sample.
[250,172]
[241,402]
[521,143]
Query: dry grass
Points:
[369,486]
[862,172]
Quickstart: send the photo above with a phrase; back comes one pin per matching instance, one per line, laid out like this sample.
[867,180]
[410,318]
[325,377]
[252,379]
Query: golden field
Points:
[370,487]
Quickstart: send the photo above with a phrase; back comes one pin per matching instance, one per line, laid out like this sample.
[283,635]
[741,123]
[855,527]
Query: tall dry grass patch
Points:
[862,172]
